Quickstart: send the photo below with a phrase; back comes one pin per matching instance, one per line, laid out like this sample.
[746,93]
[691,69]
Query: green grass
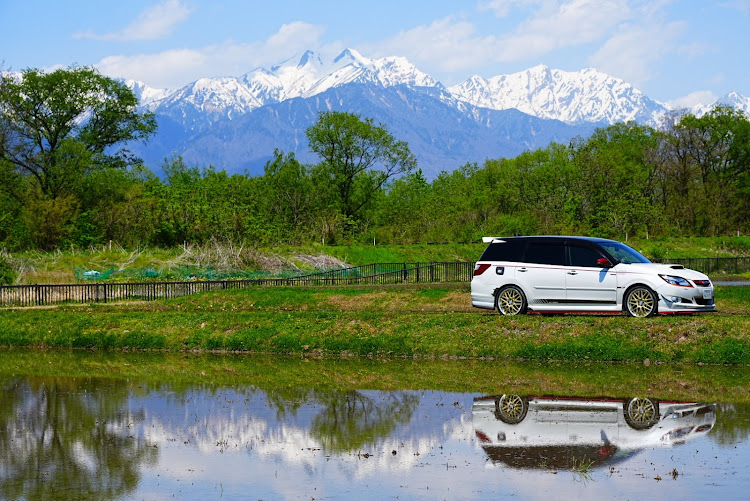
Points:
[422,322]
[185,370]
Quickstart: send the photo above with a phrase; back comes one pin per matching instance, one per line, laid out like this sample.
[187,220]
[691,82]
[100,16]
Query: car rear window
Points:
[545,253]
[509,250]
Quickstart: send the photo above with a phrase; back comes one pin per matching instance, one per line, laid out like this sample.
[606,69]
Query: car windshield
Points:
[623,253]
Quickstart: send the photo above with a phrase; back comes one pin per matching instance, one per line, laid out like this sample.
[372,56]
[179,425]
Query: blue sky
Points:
[685,50]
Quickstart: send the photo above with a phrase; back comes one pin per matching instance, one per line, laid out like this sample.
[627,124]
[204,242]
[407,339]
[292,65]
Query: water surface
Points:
[125,438]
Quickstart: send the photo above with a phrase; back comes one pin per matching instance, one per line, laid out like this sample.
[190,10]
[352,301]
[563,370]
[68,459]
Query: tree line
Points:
[67,179]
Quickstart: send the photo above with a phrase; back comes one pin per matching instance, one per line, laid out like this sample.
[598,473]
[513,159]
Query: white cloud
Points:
[503,7]
[559,25]
[178,67]
[741,5]
[453,45]
[694,99]
[297,34]
[634,51]
[153,23]
[447,45]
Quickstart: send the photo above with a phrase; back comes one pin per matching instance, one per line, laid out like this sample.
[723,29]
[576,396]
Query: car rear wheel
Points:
[511,409]
[510,301]
[640,301]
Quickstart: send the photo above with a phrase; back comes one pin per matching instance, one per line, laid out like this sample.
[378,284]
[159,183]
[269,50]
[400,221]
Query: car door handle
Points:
[572,272]
[522,269]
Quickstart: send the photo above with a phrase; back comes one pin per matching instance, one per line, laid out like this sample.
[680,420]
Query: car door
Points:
[586,283]
[542,275]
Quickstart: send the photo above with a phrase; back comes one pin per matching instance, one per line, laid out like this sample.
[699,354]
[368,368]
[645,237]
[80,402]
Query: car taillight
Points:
[480,268]
[481,436]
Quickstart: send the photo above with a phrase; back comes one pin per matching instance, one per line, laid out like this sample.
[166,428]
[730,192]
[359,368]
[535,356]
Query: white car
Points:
[557,432]
[549,274]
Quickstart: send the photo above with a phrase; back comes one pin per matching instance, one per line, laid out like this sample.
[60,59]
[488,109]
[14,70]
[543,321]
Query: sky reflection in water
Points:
[114,439]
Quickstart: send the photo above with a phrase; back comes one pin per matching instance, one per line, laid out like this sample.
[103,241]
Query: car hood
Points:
[664,269]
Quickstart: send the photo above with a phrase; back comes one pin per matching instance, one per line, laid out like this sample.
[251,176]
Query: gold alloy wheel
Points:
[511,409]
[642,412]
[510,301]
[641,302]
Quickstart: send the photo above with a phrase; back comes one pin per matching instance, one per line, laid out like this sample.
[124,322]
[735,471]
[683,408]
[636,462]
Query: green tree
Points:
[615,162]
[358,158]
[57,128]
[290,197]
[402,217]
[713,152]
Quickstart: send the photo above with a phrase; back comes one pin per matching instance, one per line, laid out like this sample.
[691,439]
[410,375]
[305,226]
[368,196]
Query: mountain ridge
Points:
[572,97]
[235,123]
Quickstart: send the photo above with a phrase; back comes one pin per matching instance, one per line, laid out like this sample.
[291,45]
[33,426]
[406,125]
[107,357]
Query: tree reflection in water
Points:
[65,437]
[348,419]
[353,419]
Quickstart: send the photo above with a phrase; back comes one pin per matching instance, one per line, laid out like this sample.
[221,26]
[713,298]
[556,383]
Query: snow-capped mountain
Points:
[209,99]
[736,101]
[586,96]
[308,75]
[145,94]
[572,97]
[235,123]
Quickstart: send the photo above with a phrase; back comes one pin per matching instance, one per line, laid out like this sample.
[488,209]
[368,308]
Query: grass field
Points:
[393,321]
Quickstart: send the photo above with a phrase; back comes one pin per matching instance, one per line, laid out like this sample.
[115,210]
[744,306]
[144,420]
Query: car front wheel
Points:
[640,301]
[641,413]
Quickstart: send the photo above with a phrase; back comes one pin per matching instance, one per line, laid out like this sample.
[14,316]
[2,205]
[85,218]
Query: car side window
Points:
[583,256]
[545,253]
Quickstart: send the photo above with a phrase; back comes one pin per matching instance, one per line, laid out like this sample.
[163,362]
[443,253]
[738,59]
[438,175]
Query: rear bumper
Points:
[482,301]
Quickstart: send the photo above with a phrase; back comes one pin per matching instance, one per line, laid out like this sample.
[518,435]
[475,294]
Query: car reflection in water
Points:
[566,432]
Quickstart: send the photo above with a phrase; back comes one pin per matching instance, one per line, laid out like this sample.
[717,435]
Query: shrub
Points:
[7,275]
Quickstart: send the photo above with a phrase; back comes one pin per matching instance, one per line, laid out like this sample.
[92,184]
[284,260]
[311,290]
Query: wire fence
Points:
[373,274]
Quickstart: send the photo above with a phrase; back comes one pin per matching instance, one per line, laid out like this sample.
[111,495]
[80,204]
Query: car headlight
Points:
[673,280]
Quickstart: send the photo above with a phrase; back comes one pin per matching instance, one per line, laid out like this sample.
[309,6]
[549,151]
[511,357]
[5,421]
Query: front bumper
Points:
[683,300]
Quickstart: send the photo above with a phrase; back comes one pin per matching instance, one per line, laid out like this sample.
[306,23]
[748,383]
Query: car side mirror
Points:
[603,262]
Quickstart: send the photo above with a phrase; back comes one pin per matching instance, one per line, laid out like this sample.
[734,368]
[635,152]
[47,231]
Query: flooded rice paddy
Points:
[64,437]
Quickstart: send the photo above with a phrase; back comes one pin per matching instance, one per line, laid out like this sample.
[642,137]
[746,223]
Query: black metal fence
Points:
[373,274]
[714,265]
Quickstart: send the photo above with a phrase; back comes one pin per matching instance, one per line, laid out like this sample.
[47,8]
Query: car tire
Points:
[641,413]
[510,300]
[511,409]
[640,301]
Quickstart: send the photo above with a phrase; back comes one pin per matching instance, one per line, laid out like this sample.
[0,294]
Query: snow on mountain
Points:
[351,67]
[586,96]
[145,94]
[304,76]
[308,75]
[703,106]
[208,100]
[737,101]
[572,97]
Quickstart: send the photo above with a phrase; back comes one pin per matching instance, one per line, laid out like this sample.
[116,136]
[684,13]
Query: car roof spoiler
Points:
[493,240]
